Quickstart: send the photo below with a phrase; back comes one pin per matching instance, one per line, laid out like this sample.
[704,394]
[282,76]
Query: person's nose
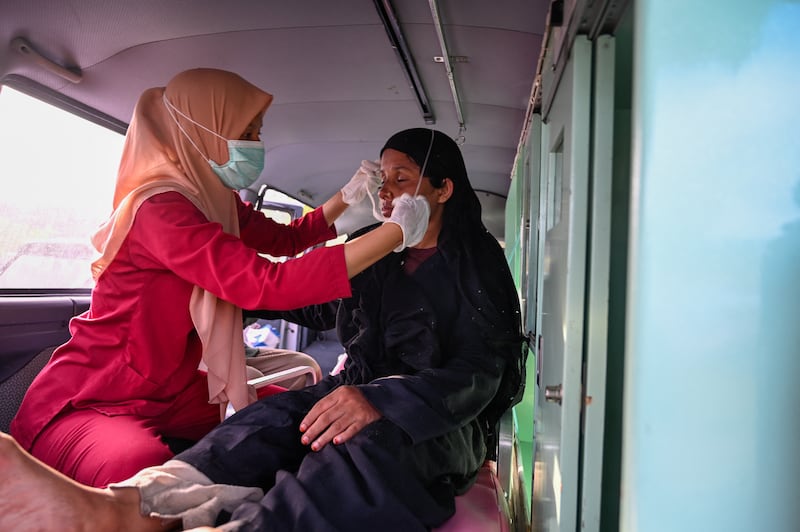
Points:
[386,191]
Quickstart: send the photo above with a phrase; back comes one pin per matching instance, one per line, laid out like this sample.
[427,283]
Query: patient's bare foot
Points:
[33,496]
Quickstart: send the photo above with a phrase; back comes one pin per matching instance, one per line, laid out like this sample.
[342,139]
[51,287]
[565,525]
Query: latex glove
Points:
[411,213]
[365,181]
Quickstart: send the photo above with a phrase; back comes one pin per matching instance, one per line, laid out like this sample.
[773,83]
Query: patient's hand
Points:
[337,417]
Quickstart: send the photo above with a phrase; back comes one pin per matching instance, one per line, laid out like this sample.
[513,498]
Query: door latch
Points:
[553,394]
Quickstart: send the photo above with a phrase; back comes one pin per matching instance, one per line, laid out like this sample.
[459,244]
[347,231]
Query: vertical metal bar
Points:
[437,23]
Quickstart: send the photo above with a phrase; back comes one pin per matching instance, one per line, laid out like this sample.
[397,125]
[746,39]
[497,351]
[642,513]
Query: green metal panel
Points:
[517,253]
[530,171]
[711,394]
[513,247]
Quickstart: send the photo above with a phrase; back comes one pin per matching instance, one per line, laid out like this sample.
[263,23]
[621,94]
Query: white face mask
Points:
[245,157]
[376,212]
[245,163]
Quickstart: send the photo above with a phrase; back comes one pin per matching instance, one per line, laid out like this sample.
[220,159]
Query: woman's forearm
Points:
[366,250]
[333,208]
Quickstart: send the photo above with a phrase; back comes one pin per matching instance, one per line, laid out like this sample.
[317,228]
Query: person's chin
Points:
[386,213]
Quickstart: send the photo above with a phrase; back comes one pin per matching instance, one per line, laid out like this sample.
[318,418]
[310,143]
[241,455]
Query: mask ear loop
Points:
[424,163]
[376,213]
[171,109]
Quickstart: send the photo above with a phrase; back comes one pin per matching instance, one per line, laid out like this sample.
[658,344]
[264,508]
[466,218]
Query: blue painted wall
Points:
[711,425]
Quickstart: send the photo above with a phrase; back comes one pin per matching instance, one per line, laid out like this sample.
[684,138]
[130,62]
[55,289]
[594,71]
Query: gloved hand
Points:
[411,213]
[365,181]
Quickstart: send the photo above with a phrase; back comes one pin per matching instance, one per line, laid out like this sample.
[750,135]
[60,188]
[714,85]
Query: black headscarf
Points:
[474,255]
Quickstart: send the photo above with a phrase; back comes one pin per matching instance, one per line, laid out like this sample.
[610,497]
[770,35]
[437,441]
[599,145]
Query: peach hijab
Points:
[157,157]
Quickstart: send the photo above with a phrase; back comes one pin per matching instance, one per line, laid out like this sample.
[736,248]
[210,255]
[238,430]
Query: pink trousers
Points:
[96,449]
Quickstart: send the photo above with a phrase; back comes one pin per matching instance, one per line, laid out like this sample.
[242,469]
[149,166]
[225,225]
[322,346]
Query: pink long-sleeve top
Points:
[135,350]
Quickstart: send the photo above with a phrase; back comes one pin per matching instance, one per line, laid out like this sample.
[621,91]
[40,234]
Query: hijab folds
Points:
[157,157]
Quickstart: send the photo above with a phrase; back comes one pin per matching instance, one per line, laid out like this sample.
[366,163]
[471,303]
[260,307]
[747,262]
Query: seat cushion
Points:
[481,509]
[13,389]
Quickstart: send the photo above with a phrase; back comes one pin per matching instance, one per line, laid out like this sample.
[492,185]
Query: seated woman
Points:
[435,356]
[179,259]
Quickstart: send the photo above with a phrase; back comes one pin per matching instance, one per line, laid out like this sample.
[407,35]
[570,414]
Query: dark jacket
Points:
[415,351]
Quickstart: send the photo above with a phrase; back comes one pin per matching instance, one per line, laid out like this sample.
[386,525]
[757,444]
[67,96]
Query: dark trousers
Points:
[377,481]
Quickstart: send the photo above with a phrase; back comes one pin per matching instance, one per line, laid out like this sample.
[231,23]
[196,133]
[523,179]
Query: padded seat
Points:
[481,509]
[12,390]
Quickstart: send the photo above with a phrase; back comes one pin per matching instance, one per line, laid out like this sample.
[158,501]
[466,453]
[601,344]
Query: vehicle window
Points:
[56,188]
[283,209]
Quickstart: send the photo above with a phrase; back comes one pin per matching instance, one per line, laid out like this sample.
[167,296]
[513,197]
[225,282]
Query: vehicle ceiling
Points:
[339,88]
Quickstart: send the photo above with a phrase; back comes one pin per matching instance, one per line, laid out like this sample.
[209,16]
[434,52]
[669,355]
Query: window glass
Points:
[56,188]
[283,209]
[283,216]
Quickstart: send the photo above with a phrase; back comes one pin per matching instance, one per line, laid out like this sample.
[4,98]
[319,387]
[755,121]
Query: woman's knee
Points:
[95,449]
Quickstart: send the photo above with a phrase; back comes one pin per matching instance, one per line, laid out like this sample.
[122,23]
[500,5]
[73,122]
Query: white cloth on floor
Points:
[177,490]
